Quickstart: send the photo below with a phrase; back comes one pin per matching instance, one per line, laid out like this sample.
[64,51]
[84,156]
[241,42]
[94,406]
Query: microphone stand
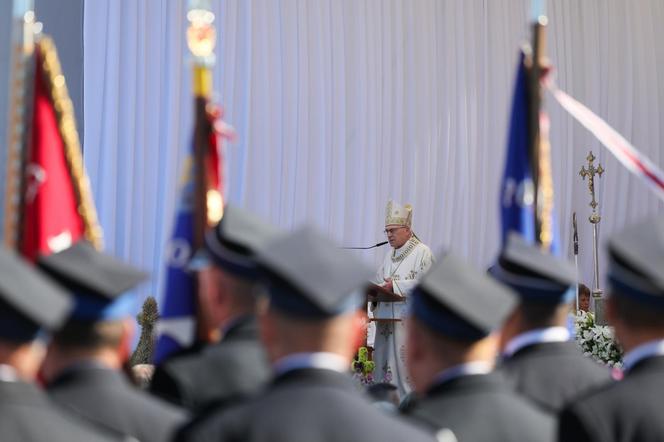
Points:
[366,248]
[575,239]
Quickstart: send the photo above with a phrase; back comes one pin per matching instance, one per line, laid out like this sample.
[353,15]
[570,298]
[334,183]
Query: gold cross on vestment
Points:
[590,172]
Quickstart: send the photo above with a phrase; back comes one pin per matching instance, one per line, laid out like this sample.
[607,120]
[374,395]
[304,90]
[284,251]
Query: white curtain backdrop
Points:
[342,104]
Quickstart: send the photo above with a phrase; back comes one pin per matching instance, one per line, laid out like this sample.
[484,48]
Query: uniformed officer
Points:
[450,355]
[311,324]
[539,356]
[236,366]
[83,366]
[30,305]
[629,410]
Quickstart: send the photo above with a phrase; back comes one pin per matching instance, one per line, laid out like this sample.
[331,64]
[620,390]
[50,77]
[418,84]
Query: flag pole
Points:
[201,39]
[21,75]
[535,64]
[208,201]
[575,240]
[183,319]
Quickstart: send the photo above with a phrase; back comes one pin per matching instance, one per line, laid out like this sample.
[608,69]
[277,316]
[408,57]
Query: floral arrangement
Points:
[597,341]
[363,367]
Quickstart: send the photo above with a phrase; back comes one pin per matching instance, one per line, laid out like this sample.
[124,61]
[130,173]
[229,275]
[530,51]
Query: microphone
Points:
[576,234]
[366,248]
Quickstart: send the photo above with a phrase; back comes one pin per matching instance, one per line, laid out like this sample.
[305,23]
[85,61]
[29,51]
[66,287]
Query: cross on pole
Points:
[590,172]
[594,219]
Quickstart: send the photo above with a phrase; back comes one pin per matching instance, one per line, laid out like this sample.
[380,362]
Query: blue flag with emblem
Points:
[517,197]
[201,199]
[176,328]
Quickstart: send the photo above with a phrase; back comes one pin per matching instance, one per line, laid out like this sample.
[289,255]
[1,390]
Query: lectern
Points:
[376,293]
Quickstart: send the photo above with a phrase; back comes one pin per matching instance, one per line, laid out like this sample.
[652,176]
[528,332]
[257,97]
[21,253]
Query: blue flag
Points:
[517,191]
[517,196]
[177,324]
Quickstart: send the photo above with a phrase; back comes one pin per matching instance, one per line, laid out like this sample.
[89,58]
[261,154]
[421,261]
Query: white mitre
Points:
[398,215]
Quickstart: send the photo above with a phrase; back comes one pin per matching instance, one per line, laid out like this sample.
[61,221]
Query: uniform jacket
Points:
[106,398]
[481,408]
[235,367]
[28,415]
[553,373]
[629,410]
[307,405]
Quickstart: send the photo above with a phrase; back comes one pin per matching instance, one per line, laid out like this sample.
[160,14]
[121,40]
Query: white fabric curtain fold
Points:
[342,104]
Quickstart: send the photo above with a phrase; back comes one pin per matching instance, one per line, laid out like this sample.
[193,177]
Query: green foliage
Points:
[147,319]
[362,364]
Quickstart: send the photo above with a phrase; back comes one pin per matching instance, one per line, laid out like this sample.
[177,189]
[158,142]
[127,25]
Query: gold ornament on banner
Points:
[215,206]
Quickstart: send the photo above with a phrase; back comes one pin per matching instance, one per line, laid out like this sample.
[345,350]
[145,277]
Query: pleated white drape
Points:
[342,104]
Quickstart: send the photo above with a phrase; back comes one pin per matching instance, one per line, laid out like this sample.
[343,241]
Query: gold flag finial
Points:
[201,40]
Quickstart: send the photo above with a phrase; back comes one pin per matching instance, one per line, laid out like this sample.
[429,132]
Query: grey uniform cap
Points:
[233,243]
[96,280]
[28,300]
[456,300]
[636,262]
[534,274]
[309,276]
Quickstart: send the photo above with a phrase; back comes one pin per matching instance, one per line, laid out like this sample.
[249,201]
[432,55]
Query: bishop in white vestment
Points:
[404,264]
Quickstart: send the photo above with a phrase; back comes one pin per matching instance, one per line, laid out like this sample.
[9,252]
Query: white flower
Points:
[596,341]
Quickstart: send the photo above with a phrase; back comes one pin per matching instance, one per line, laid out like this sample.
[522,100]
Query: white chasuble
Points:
[404,266]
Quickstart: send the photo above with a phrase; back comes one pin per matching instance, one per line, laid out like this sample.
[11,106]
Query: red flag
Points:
[215,161]
[57,208]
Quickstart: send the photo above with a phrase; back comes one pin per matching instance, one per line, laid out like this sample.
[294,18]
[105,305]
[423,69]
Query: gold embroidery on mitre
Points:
[396,214]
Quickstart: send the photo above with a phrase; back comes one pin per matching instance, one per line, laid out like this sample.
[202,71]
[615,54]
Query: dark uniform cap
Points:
[460,302]
[99,282]
[309,276]
[534,274]
[636,262]
[232,244]
[29,301]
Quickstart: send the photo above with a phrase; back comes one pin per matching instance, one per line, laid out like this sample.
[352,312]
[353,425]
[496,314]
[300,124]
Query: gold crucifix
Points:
[594,219]
[590,172]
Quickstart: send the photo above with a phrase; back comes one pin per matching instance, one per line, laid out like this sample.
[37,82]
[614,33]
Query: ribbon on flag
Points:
[623,150]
